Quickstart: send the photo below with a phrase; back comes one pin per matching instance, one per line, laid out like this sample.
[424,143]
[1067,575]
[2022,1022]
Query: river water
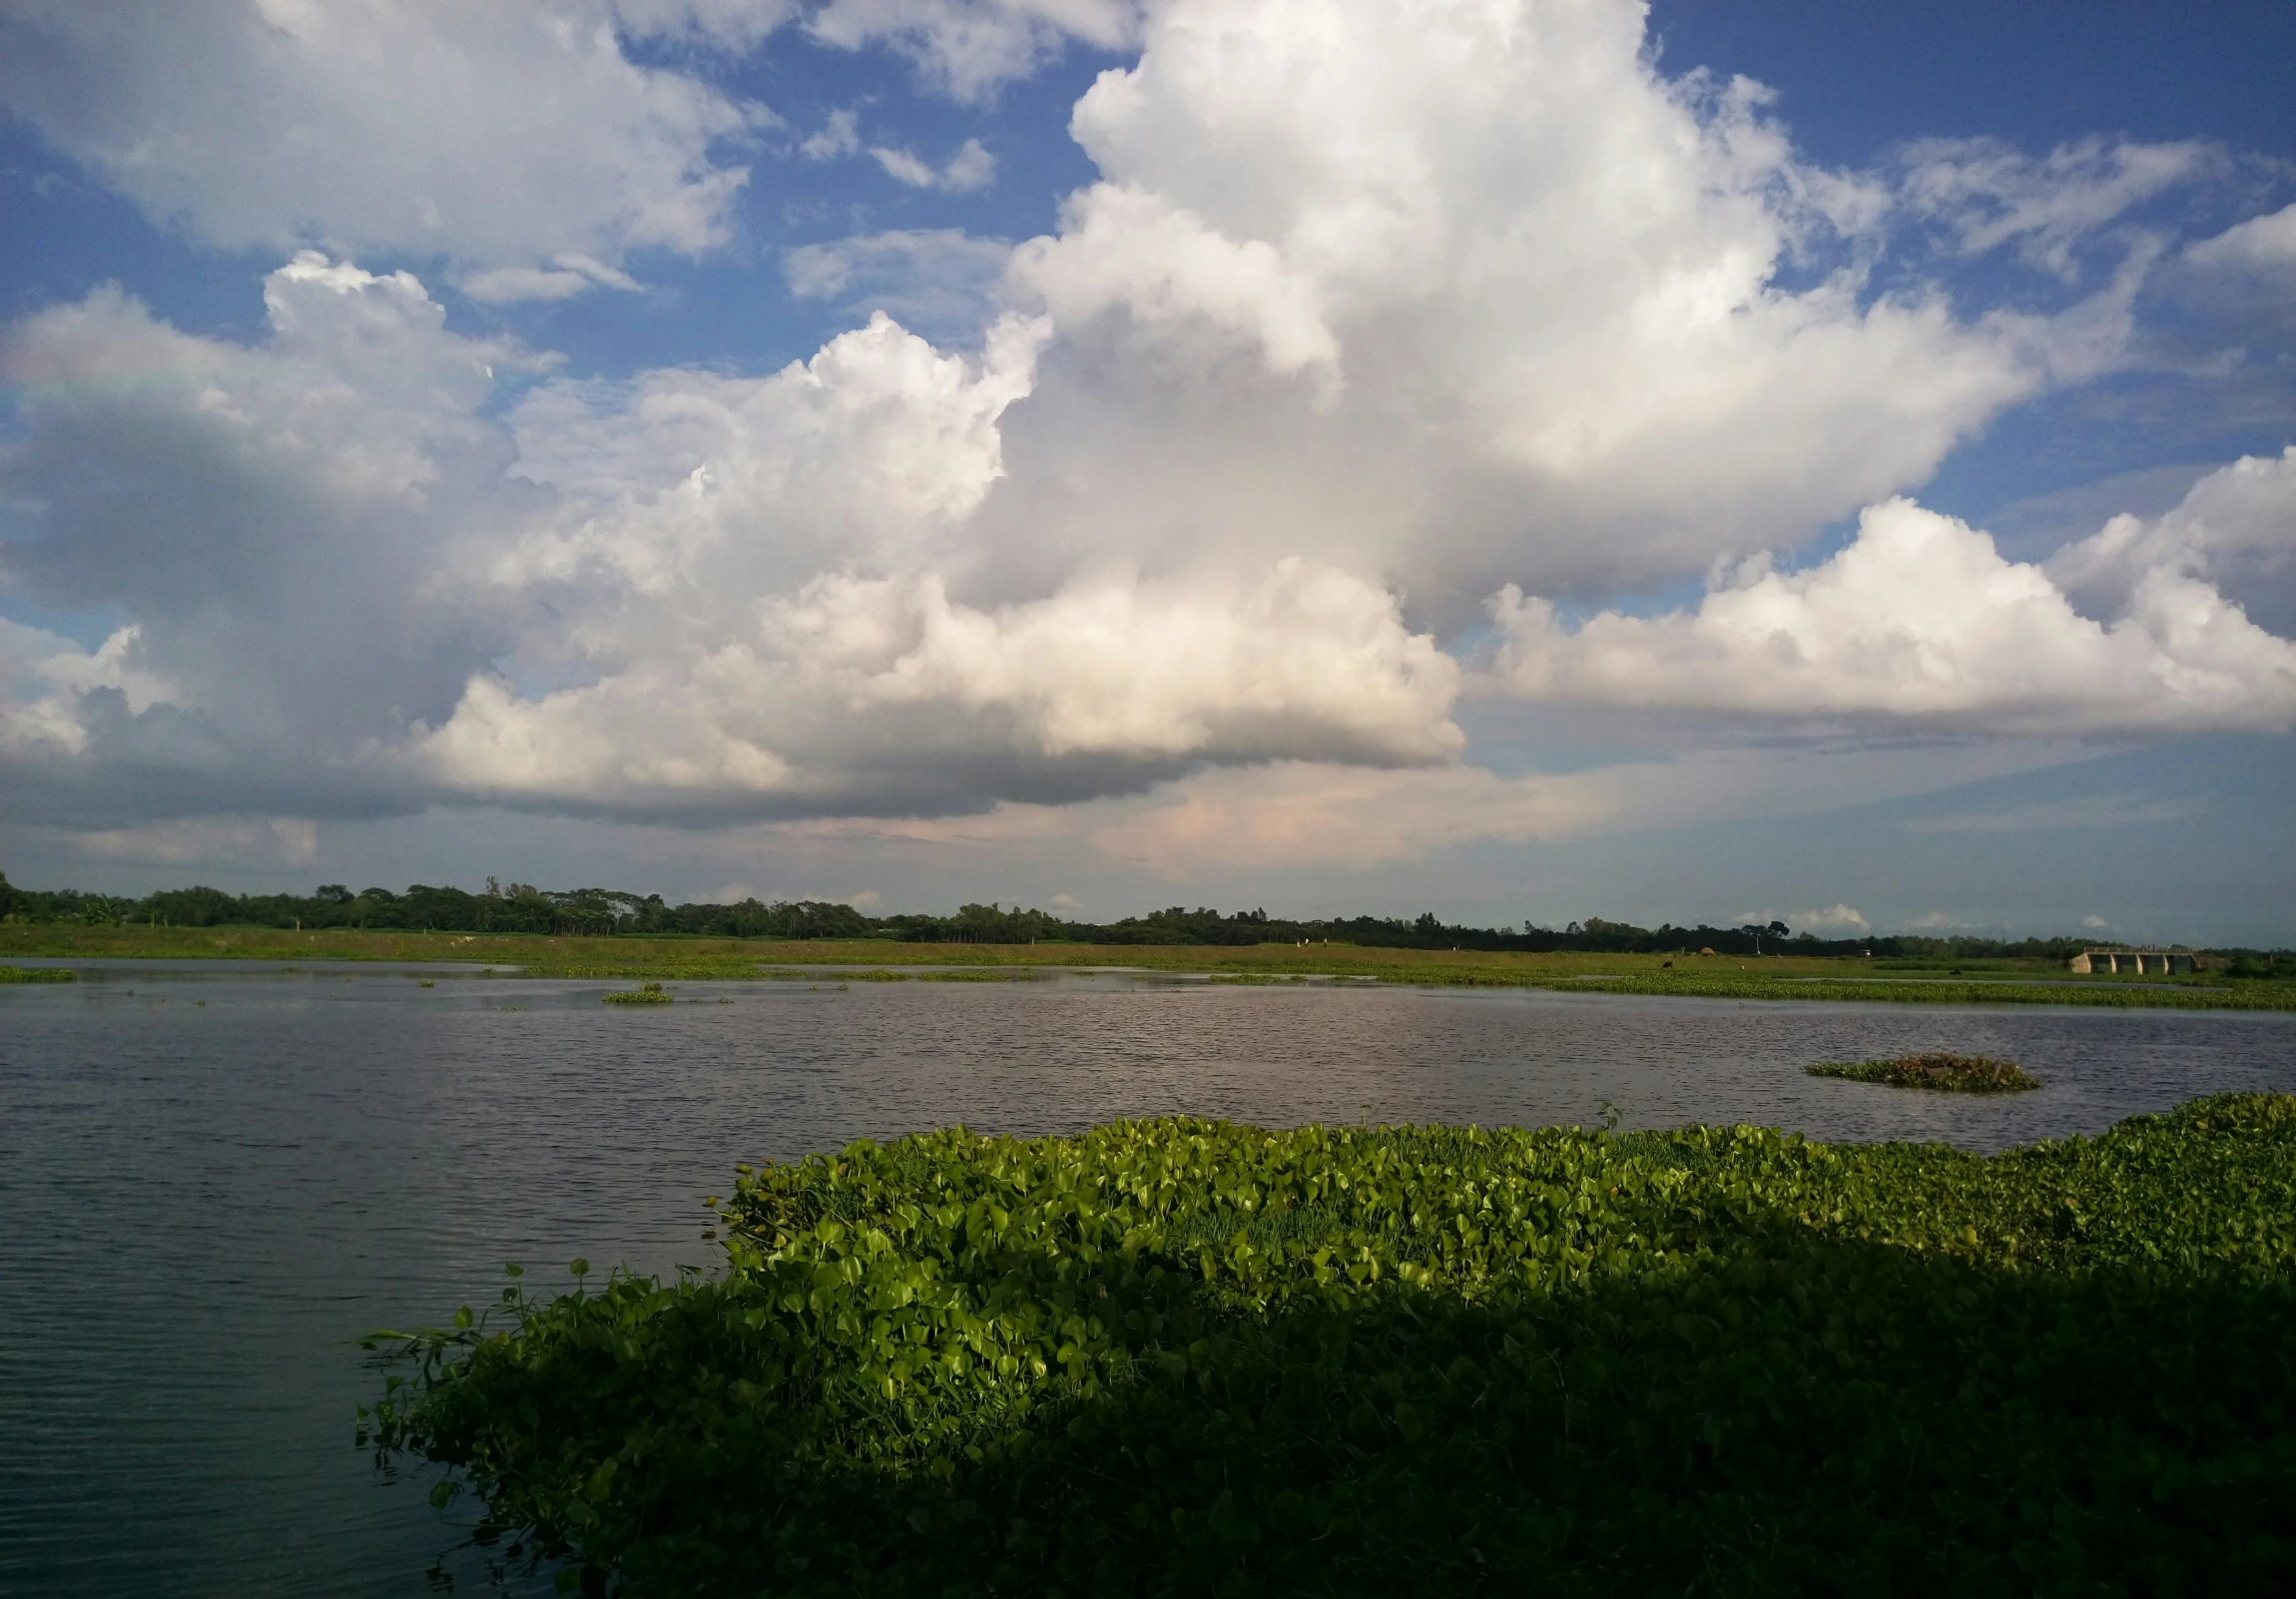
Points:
[214,1176]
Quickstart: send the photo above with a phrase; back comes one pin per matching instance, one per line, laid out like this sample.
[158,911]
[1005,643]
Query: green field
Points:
[718,959]
[1191,1358]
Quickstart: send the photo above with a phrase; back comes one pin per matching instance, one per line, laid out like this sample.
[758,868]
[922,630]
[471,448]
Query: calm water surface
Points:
[213,1178]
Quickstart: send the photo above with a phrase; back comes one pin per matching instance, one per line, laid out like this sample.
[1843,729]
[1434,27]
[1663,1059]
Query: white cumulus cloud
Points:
[874,696]
[2235,527]
[496,134]
[1836,918]
[1163,265]
[273,518]
[1919,619]
[43,676]
[1372,310]
[1468,291]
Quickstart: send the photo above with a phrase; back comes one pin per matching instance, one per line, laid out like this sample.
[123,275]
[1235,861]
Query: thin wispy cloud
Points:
[970,167]
[2089,810]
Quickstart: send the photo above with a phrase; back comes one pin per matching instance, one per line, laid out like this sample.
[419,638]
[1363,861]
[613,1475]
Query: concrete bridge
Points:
[2163,961]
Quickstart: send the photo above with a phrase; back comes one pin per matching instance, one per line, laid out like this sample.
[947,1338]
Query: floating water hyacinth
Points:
[38,974]
[649,994]
[1192,1357]
[1957,1074]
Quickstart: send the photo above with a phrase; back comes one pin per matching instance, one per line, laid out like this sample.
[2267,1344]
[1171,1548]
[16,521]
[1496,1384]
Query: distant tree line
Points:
[519,907]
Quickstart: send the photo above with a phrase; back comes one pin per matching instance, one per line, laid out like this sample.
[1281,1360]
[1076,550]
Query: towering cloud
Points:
[1373,312]
[1462,293]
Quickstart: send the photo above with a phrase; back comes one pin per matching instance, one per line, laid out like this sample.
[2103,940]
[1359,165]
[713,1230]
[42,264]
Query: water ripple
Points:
[204,1204]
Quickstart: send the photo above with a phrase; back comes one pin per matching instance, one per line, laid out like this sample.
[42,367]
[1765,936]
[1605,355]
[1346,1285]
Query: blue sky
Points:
[1523,460]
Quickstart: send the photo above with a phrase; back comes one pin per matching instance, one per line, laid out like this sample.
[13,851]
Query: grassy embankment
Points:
[705,959]
[1191,1358]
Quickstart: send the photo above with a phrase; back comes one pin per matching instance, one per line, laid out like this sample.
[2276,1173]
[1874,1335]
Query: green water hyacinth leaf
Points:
[1184,1356]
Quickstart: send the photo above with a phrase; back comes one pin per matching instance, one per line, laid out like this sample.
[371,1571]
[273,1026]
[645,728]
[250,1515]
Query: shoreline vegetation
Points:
[518,909]
[1963,979]
[604,933]
[1190,1356]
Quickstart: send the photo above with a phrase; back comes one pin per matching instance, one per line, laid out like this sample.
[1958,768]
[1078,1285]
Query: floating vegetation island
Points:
[1184,1356]
[649,995]
[1956,1074]
[38,974]
[881,975]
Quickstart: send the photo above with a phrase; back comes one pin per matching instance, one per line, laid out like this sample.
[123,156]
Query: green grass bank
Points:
[2002,981]
[1192,1357]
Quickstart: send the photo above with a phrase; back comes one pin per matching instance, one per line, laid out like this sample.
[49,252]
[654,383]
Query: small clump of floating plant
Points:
[649,995]
[1958,1074]
[38,974]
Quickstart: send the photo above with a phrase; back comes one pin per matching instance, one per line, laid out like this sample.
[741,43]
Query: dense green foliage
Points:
[1958,1074]
[38,974]
[1184,1356]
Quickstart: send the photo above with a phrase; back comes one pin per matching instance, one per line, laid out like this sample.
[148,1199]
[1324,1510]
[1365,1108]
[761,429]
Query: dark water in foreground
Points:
[202,1204]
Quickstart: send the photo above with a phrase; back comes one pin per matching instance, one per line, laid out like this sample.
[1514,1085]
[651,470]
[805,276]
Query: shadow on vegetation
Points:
[1186,1357]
